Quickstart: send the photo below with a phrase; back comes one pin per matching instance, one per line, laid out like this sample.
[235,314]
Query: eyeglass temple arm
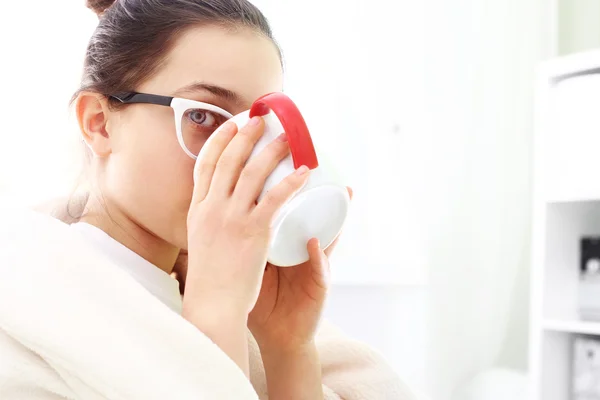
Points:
[134,97]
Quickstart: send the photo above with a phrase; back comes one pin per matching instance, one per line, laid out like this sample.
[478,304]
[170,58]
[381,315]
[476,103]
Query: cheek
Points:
[151,175]
[152,149]
[161,162]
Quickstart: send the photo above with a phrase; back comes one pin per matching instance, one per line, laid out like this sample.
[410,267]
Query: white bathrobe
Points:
[73,325]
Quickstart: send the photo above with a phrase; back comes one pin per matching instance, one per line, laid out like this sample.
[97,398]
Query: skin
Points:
[144,196]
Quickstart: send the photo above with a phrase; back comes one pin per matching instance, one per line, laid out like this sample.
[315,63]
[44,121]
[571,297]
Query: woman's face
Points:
[148,175]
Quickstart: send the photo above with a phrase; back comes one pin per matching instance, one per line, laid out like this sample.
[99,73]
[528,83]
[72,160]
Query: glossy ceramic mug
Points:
[320,208]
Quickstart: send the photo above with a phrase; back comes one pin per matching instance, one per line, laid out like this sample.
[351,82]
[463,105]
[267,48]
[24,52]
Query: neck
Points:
[118,225]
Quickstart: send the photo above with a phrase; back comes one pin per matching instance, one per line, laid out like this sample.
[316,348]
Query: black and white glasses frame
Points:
[180,107]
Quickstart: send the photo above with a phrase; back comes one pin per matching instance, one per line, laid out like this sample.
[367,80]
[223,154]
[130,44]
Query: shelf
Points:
[572,198]
[567,194]
[572,326]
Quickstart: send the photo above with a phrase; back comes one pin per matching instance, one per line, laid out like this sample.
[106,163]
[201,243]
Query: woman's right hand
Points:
[229,233]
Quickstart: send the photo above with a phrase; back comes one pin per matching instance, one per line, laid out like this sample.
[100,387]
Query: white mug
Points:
[320,208]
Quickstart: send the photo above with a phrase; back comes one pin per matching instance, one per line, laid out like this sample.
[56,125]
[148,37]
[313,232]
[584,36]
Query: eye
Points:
[197,126]
[204,120]
[202,117]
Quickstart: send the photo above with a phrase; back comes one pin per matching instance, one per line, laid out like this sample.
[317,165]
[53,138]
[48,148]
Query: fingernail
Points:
[254,121]
[282,137]
[302,170]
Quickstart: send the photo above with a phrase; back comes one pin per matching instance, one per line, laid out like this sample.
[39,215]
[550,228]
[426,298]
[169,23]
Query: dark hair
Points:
[134,36]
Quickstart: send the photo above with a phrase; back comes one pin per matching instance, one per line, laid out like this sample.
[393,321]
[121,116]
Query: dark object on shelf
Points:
[586,369]
[589,278]
[590,255]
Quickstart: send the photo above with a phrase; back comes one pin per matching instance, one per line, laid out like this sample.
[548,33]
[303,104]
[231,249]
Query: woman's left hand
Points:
[290,303]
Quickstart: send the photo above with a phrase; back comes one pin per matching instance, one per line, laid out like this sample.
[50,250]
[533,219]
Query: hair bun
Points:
[99,6]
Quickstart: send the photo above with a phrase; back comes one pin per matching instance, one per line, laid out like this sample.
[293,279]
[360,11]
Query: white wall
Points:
[481,58]
[43,45]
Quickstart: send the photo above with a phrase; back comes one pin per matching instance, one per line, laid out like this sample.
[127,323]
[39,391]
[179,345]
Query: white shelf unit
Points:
[571,326]
[566,207]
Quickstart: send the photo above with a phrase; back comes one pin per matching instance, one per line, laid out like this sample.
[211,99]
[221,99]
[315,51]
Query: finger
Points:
[275,198]
[207,160]
[255,173]
[350,192]
[319,263]
[234,157]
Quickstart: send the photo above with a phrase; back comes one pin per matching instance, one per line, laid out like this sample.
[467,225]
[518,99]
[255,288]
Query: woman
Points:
[75,326]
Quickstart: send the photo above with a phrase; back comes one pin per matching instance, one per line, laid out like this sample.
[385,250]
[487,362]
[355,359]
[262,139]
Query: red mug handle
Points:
[300,142]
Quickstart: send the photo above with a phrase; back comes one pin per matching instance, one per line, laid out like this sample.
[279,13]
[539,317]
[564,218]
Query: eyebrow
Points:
[218,91]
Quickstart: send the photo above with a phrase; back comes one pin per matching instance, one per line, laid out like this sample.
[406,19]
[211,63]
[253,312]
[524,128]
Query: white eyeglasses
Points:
[195,121]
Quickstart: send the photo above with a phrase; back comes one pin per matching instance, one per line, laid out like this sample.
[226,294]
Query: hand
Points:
[228,232]
[290,303]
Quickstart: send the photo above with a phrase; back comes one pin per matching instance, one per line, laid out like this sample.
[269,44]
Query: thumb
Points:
[319,264]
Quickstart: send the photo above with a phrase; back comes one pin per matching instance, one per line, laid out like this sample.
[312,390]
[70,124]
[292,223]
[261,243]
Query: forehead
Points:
[242,61]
